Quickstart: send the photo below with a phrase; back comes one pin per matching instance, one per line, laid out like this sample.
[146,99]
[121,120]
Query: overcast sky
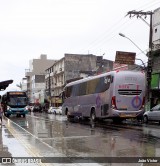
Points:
[29,28]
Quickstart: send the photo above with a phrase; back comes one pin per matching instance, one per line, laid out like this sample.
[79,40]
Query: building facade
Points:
[72,67]
[23,85]
[35,77]
[155,79]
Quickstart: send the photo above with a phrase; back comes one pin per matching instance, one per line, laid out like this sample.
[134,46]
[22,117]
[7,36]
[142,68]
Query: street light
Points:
[121,34]
[149,68]
[142,62]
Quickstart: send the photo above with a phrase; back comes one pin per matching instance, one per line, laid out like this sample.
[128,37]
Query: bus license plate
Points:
[127,115]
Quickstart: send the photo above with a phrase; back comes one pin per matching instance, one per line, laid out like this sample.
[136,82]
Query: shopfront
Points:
[155,89]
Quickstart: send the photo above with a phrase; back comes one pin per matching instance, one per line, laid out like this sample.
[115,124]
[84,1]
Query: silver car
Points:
[55,110]
[152,115]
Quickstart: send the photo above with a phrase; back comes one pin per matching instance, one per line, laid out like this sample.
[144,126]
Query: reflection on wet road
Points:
[10,147]
[49,135]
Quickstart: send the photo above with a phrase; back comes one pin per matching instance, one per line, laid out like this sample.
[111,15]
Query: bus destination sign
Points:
[17,93]
[125,57]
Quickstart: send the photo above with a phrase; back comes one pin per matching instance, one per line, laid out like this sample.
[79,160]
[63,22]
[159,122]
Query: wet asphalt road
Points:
[47,135]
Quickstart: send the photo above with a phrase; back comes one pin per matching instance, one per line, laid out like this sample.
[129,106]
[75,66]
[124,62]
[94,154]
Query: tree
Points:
[19,85]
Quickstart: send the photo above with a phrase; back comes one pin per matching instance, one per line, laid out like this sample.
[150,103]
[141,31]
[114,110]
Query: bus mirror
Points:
[63,96]
[7,98]
[112,77]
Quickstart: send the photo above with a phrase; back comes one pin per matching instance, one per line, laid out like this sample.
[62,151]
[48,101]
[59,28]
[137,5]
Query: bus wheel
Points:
[140,119]
[93,116]
[70,118]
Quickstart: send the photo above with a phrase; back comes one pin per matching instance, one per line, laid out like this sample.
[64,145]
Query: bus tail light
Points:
[113,101]
[143,103]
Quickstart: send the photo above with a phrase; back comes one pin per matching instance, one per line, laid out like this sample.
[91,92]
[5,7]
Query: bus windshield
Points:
[17,101]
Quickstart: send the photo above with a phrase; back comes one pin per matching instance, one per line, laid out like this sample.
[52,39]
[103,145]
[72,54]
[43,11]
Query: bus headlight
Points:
[8,108]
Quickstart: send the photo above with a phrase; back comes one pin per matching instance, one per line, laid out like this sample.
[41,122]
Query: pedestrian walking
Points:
[1,112]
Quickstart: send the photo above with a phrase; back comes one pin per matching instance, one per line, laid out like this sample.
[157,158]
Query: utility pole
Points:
[48,85]
[141,14]
[49,88]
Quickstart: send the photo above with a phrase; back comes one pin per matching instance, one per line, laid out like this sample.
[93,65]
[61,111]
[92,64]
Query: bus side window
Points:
[112,78]
[75,90]
[68,91]
[82,89]
[103,84]
[108,83]
[91,86]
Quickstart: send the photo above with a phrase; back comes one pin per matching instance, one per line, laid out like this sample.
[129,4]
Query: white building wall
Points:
[24,84]
[36,67]
[156,29]
[38,90]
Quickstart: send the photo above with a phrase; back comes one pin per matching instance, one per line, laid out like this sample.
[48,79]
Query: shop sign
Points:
[125,57]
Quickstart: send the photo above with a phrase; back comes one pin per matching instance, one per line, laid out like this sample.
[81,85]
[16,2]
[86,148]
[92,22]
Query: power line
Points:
[148,5]
[109,34]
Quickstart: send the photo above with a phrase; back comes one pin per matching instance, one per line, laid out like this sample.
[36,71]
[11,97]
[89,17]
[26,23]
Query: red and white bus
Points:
[117,95]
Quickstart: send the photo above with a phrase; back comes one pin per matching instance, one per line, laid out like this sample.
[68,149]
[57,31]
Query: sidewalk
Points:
[16,144]
[10,147]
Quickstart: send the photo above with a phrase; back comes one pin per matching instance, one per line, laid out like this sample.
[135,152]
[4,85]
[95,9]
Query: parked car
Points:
[58,110]
[51,110]
[37,108]
[30,108]
[55,110]
[152,115]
